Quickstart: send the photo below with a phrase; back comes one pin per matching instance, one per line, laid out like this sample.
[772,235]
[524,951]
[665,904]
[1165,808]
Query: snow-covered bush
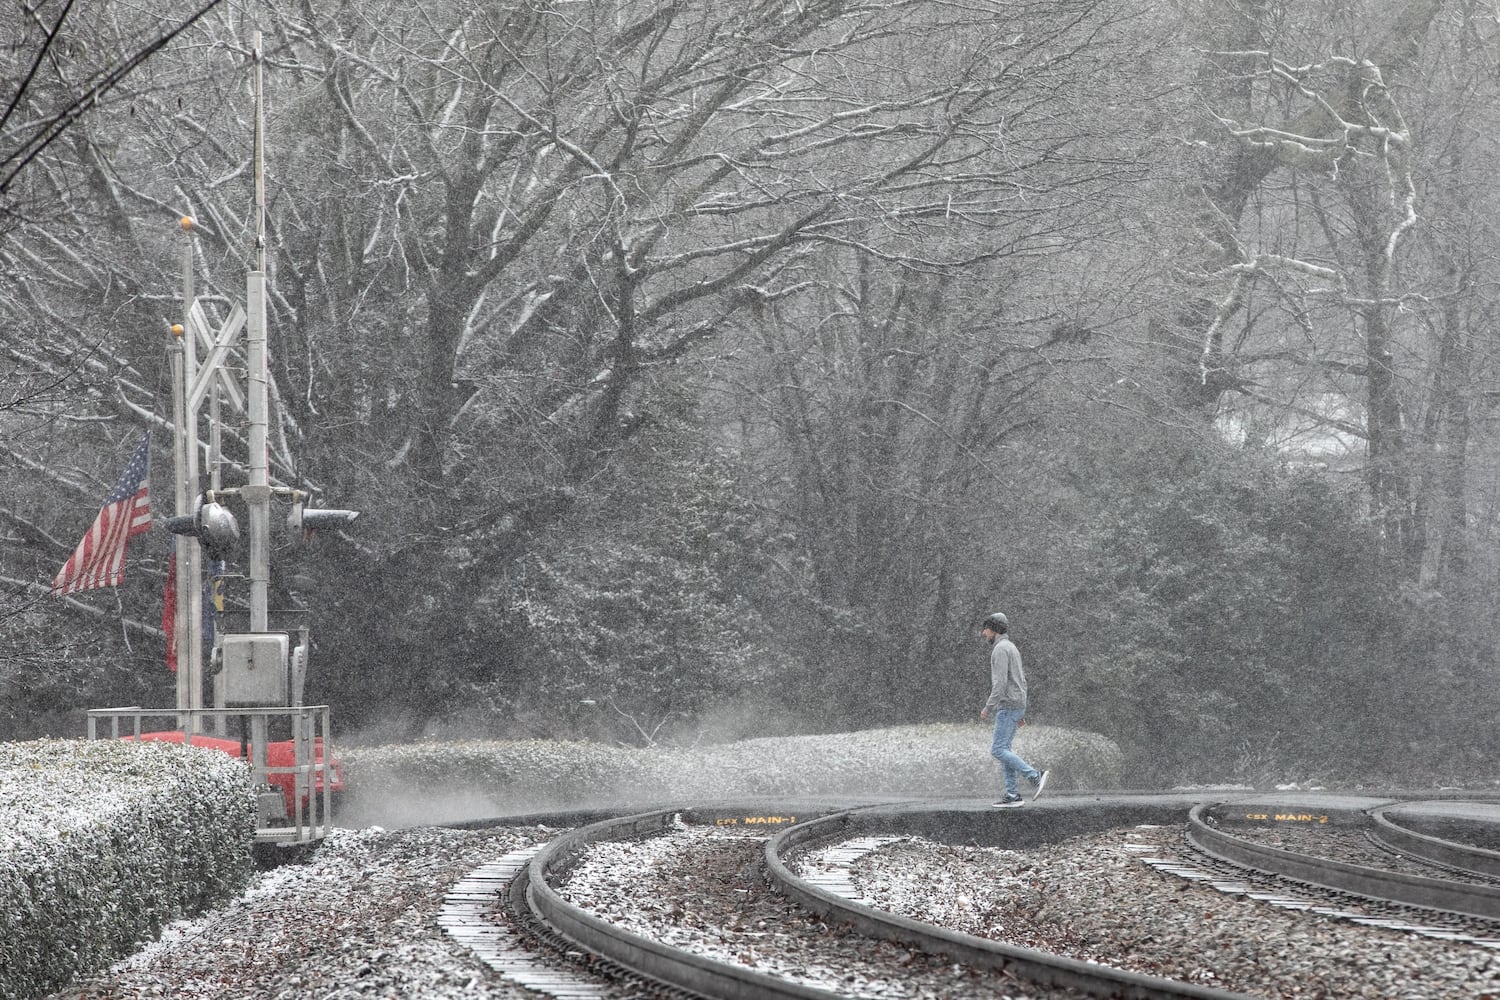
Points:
[103,843]
[948,760]
[444,781]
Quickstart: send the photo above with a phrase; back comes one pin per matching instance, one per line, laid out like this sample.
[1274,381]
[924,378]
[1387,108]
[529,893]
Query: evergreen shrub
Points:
[104,843]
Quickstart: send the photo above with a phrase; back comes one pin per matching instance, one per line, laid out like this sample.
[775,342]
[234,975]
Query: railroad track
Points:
[516,913]
[1360,877]
[1456,845]
[833,899]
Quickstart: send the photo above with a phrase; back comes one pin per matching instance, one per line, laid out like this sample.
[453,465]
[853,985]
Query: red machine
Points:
[297,781]
[281,762]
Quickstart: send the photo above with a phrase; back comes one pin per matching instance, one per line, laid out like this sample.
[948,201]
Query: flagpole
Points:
[183,498]
[190,560]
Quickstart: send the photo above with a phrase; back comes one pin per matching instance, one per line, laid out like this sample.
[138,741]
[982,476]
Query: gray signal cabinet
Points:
[256,669]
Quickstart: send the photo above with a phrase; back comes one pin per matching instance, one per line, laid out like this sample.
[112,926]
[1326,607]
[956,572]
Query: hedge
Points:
[104,843]
[402,784]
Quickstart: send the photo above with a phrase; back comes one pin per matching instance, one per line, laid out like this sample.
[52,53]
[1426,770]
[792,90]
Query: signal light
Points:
[212,524]
[310,519]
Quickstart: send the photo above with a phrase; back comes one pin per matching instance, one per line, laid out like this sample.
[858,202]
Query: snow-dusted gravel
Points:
[700,889]
[1093,898]
[358,918]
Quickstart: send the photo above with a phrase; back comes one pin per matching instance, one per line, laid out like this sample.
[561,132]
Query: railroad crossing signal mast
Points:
[257,675]
[201,521]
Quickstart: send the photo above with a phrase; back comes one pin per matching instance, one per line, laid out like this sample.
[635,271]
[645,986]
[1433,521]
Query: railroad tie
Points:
[834,866]
[1179,868]
[465,915]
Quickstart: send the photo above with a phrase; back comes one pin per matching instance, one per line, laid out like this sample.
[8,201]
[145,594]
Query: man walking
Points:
[1007,703]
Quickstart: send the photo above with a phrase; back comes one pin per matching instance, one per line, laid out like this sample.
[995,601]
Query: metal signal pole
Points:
[257,493]
[189,388]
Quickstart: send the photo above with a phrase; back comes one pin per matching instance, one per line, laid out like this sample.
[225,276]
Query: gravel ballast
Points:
[359,919]
[721,908]
[1093,898]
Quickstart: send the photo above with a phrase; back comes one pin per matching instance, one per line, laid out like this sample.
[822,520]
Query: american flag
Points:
[99,560]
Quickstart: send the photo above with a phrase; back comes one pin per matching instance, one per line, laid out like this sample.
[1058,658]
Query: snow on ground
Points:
[355,918]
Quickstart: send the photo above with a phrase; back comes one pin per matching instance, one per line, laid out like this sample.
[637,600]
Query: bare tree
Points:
[533,213]
[1325,150]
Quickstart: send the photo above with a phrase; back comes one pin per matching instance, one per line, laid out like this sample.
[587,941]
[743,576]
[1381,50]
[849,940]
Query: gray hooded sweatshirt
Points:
[1007,678]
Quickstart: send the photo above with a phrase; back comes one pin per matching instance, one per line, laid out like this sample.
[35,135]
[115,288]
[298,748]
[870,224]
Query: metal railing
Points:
[303,780]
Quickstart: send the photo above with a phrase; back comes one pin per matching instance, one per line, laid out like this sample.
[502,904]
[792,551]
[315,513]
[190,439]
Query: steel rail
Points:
[676,969]
[679,970]
[1436,850]
[667,971]
[1454,896]
[1033,826]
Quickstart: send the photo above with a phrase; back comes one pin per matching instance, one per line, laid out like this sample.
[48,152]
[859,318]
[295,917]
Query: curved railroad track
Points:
[1448,842]
[518,915]
[837,902]
[1338,855]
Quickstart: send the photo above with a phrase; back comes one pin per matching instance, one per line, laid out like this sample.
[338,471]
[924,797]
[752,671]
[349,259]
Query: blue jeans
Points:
[1007,720]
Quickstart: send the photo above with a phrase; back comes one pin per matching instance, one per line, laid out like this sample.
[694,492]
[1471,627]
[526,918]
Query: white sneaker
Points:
[1041,783]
